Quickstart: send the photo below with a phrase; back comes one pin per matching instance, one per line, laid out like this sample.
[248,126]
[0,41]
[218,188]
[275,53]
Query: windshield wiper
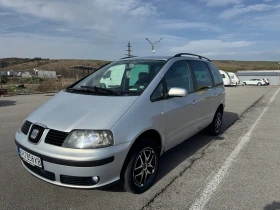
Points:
[100,90]
[81,90]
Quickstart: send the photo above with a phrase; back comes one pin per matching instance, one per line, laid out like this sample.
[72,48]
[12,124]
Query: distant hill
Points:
[7,62]
[234,66]
[61,66]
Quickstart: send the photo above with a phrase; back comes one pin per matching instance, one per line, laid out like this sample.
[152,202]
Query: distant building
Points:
[272,75]
[25,74]
[45,74]
[14,73]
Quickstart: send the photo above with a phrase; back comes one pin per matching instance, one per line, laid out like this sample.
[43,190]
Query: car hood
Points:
[67,111]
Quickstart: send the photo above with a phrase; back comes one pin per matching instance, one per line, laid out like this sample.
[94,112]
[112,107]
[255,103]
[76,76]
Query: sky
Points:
[101,29]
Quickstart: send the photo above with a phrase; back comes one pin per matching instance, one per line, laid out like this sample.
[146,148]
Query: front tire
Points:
[216,126]
[141,167]
[259,84]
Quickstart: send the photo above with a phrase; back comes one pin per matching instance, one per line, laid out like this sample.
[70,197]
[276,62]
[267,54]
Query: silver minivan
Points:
[114,124]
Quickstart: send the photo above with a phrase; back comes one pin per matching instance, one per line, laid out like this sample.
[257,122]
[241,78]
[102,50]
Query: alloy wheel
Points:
[144,167]
[218,122]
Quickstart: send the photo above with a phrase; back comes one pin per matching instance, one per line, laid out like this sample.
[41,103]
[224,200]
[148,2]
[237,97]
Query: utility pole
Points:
[153,44]
[129,50]
[1,75]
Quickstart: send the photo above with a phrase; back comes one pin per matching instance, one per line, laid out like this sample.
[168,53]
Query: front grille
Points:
[35,134]
[40,172]
[75,180]
[55,137]
[25,127]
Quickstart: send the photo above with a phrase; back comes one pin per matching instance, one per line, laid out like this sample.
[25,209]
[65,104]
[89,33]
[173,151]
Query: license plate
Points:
[29,158]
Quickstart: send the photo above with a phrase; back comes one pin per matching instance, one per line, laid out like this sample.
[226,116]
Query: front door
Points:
[181,112]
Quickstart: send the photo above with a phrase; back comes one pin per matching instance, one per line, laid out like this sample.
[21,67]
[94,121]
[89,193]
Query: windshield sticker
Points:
[141,87]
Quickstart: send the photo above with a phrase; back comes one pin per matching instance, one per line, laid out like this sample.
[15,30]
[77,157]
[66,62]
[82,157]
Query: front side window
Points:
[202,74]
[158,94]
[127,77]
[179,75]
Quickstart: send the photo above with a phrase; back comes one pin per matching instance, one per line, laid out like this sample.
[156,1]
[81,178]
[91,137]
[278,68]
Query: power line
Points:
[129,50]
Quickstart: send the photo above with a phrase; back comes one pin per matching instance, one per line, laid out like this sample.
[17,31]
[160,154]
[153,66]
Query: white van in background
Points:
[226,78]
[234,79]
[113,76]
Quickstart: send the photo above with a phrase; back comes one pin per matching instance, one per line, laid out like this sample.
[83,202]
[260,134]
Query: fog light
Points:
[95,179]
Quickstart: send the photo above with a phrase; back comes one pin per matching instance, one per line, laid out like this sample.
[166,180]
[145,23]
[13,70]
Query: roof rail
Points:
[128,57]
[200,57]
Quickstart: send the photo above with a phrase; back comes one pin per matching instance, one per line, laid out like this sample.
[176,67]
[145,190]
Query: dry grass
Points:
[246,65]
[28,65]
[49,85]
[54,85]
[60,66]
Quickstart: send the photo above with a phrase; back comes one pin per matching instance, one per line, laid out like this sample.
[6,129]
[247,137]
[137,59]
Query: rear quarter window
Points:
[217,77]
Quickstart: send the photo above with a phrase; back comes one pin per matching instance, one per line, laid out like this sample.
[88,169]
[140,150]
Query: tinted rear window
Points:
[202,74]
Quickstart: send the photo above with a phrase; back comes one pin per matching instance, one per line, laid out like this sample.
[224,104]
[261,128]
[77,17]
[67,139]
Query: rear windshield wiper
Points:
[100,90]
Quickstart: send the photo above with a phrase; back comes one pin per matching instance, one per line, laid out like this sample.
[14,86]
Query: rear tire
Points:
[216,126]
[244,83]
[259,84]
[140,167]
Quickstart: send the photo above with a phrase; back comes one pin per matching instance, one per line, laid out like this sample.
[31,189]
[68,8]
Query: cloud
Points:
[32,45]
[101,29]
[73,11]
[179,24]
[220,3]
[252,55]
[114,20]
[5,13]
[203,46]
[240,9]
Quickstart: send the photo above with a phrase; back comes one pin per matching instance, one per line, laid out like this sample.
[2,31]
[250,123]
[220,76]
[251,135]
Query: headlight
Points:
[88,139]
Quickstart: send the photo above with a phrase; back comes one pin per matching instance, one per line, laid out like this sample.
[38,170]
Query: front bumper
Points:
[76,172]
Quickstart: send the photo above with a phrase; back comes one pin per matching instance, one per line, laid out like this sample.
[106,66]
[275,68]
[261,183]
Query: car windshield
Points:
[127,77]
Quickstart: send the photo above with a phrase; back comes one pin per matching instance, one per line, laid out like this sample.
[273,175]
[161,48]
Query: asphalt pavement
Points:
[186,174]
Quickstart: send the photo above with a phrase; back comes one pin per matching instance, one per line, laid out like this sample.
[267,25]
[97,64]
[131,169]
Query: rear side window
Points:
[202,74]
[218,80]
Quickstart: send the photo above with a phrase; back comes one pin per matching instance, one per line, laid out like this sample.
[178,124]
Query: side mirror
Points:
[177,92]
[107,74]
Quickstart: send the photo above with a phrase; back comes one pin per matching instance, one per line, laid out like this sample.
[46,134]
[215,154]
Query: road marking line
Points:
[214,183]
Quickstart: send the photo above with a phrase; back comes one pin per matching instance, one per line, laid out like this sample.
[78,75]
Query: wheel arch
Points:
[151,133]
[221,107]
